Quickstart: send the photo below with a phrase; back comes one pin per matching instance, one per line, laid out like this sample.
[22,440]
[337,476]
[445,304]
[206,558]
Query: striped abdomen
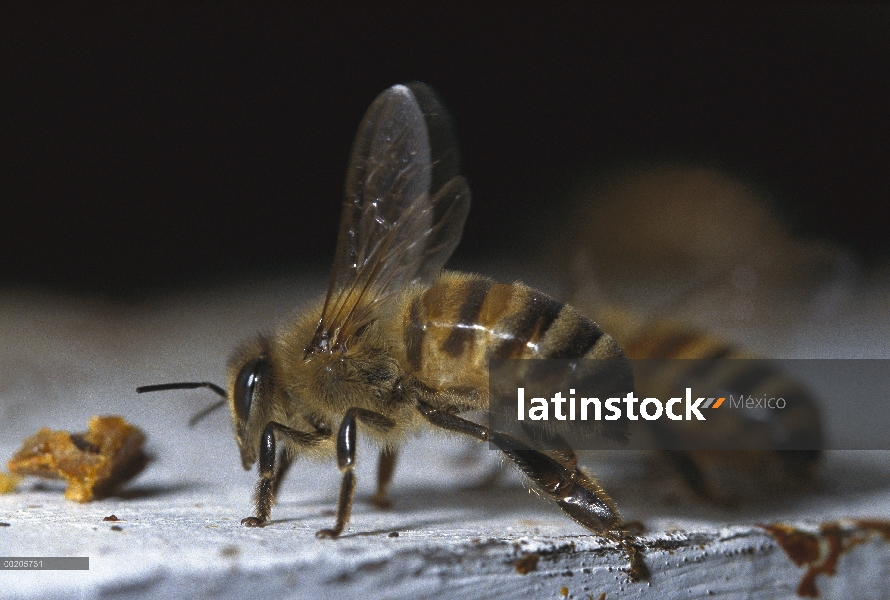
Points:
[738,371]
[794,431]
[666,340]
[453,328]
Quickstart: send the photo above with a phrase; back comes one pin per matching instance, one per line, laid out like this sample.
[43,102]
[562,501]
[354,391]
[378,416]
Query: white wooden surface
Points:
[65,359]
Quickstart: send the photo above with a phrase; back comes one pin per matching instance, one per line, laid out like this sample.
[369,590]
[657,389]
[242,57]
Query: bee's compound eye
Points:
[249,378]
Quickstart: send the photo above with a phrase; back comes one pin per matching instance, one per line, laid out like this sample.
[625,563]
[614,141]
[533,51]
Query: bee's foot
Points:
[327,534]
[253,522]
[381,502]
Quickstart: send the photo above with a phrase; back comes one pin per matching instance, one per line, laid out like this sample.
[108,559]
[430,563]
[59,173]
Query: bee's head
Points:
[249,385]
[249,395]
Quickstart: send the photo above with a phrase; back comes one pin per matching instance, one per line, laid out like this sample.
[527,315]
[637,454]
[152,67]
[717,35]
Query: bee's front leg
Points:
[346,462]
[269,478]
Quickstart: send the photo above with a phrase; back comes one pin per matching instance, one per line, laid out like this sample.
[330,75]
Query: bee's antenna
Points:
[189,386]
[197,417]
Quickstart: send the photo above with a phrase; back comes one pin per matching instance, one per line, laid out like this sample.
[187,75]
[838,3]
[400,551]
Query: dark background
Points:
[152,145]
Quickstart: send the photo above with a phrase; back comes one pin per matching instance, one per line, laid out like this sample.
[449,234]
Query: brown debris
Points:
[820,552]
[527,564]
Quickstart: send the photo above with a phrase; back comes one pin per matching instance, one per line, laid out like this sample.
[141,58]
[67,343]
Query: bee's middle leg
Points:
[284,463]
[385,469]
[346,462]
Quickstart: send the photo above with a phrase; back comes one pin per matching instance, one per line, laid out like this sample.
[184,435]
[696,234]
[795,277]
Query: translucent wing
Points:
[403,213]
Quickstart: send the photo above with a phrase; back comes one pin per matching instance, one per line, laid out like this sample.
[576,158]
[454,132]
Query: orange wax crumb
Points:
[8,483]
[92,463]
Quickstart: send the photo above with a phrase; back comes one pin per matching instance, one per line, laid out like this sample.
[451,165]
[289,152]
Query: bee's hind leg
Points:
[346,462]
[577,495]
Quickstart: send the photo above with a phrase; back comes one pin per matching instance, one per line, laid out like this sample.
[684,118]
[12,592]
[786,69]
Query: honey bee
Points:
[726,476]
[703,230]
[397,345]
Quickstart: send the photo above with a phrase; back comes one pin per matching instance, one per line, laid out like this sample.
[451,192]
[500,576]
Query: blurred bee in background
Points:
[700,255]
[395,345]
